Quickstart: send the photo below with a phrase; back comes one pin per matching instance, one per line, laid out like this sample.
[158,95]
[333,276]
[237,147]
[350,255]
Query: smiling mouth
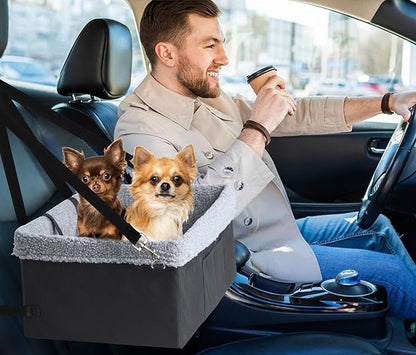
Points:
[213,74]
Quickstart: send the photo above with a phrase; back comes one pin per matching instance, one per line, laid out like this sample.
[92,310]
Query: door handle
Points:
[377,146]
[377,151]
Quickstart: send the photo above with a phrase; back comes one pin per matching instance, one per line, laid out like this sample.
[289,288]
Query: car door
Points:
[329,173]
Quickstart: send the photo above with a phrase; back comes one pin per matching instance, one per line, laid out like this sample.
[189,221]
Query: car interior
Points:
[257,315]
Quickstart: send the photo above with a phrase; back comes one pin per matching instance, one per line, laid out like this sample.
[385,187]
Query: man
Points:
[180,103]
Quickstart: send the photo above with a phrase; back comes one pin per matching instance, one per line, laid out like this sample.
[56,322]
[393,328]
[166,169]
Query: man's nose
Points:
[221,57]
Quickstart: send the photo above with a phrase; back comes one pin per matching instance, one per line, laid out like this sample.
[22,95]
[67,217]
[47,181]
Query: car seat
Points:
[38,192]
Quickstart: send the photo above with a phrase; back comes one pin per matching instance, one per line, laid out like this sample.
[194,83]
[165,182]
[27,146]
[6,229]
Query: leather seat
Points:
[299,344]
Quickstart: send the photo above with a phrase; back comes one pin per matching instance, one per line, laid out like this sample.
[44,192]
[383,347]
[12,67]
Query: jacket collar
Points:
[174,106]
[168,103]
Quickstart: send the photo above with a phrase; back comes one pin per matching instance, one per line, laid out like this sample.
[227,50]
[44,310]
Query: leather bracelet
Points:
[385,108]
[258,127]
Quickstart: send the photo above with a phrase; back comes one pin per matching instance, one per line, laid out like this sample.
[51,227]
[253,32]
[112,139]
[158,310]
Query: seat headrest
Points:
[4,25]
[99,62]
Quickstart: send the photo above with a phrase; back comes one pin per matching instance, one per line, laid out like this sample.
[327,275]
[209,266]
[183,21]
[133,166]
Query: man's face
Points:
[201,57]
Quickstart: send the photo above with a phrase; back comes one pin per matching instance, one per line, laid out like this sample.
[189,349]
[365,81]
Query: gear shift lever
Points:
[347,278]
[348,284]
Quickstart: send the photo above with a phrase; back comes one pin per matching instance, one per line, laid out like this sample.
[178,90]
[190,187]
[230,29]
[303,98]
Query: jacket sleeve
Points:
[240,166]
[314,115]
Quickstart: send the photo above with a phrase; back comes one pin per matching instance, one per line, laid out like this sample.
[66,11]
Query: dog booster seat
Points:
[108,291]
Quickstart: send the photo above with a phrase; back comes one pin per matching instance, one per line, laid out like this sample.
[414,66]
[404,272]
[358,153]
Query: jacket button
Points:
[228,171]
[239,185]
[248,221]
[209,155]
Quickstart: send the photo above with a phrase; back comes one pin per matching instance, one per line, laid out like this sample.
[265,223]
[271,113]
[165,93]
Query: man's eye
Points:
[106,176]
[154,180]
[85,179]
[177,180]
[210,46]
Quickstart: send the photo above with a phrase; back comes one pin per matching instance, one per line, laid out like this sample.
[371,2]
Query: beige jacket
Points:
[164,122]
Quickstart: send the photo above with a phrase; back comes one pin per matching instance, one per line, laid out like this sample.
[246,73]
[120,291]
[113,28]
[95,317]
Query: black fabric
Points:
[127,304]
[24,311]
[4,25]
[299,344]
[99,62]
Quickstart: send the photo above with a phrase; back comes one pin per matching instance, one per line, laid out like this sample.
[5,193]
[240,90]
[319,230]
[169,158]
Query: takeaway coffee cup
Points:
[258,78]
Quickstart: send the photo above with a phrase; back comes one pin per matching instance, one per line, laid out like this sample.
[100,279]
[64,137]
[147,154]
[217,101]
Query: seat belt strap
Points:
[57,171]
[11,176]
[56,118]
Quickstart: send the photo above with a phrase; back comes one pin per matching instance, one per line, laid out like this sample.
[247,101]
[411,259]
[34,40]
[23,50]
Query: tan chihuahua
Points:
[162,193]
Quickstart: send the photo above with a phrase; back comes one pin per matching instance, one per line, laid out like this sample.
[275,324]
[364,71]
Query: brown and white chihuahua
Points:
[162,193]
[103,175]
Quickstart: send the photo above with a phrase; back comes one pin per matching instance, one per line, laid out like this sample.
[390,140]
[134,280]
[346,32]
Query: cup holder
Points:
[348,284]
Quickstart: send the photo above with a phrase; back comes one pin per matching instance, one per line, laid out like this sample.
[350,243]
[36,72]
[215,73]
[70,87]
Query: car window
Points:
[36,56]
[316,51]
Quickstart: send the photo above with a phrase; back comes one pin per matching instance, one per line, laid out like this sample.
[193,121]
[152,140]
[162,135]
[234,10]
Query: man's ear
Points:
[166,52]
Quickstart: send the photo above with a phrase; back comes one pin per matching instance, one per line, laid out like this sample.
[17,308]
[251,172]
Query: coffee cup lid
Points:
[260,72]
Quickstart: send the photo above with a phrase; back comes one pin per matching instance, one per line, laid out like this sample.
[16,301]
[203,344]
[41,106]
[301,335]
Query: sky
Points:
[290,11]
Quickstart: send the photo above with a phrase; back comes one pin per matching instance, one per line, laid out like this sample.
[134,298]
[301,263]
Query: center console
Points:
[344,294]
[258,305]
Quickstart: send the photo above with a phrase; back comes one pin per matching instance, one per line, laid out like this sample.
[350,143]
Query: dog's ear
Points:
[141,156]
[187,156]
[116,153]
[72,158]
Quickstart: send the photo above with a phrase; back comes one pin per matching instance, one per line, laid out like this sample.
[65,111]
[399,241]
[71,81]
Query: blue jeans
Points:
[377,253]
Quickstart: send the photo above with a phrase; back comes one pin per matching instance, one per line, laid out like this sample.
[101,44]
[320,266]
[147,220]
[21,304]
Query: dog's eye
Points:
[106,176]
[154,180]
[85,179]
[177,180]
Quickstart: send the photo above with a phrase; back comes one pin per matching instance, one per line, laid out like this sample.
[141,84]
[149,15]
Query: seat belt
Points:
[56,118]
[11,119]
[60,175]
[11,176]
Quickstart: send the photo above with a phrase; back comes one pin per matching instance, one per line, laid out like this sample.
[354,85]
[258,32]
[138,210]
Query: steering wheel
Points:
[388,171]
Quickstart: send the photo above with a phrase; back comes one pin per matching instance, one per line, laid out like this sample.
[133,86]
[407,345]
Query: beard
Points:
[195,80]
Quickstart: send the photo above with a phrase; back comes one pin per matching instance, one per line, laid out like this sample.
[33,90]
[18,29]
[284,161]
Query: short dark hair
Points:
[167,20]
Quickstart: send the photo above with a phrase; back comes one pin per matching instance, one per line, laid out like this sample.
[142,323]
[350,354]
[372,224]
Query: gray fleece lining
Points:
[214,210]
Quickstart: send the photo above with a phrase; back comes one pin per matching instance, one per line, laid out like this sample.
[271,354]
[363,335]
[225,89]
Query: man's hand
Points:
[273,103]
[401,103]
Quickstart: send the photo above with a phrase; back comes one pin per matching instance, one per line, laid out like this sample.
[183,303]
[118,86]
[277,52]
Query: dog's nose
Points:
[165,186]
[96,187]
